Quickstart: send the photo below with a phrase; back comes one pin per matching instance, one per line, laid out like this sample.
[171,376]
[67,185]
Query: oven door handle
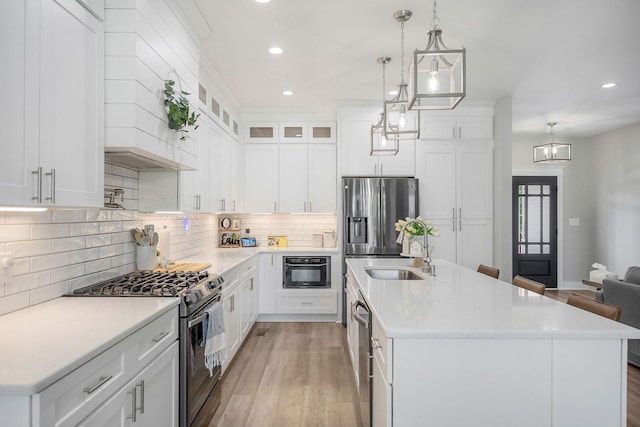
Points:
[197,320]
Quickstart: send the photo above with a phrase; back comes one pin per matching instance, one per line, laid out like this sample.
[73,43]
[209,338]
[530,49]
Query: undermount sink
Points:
[392,274]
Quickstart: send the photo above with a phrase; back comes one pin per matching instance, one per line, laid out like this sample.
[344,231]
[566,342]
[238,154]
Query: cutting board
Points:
[188,266]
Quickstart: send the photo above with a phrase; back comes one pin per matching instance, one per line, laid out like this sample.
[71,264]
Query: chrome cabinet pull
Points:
[141,385]
[251,288]
[306,303]
[52,174]
[233,205]
[159,338]
[453,223]
[310,207]
[460,219]
[101,381]
[134,400]
[38,196]
[275,207]
[459,132]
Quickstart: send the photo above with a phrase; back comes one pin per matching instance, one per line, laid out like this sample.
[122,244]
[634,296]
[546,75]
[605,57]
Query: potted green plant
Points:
[178,112]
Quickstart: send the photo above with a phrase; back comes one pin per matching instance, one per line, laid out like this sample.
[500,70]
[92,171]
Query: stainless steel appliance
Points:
[199,392]
[306,272]
[372,206]
[361,313]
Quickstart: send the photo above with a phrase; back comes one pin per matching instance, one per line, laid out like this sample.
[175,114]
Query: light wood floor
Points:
[290,374]
[299,374]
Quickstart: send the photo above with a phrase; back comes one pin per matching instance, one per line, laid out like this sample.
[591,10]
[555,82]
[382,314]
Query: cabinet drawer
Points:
[72,398]
[307,301]
[382,349]
[151,340]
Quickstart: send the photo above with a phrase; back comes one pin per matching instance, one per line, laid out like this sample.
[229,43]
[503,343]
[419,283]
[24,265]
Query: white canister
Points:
[146,258]
[329,239]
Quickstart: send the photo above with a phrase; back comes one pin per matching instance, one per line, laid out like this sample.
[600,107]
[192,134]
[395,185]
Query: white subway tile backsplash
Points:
[28,282]
[81,281]
[98,240]
[97,265]
[122,237]
[66,273]
[21,266]
[67,216]
[15,233]
[47,293]
[48,262]
[28,248]
[110,227]
[109,251]
[49,231]
[14,302]
[84,228]
[84,255]
[29,217]
[67,244]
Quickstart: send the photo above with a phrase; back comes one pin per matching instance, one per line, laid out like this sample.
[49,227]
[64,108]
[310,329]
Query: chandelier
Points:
[437,75]
[384,141]
[401,122]
[553,151]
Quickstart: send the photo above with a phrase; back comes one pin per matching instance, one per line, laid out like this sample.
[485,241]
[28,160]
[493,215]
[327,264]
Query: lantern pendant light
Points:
[401,122]
[437,74]
[381,144]
[553,151]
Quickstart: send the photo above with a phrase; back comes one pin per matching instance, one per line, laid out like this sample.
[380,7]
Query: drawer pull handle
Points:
[375,343]
[134,399]
[307,303]
[141,385]
[101,381]
[159,338]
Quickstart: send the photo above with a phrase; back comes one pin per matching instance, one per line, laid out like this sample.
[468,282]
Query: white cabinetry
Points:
[240,306]
[355,139]
[456,193]
[55,149]
[261,177]
[147,400]
[270,273]
[307,178]
[229,174]
[444,126]
[101,392]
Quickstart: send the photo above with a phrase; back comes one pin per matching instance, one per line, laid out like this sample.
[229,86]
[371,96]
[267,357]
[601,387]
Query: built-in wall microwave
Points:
[306,272]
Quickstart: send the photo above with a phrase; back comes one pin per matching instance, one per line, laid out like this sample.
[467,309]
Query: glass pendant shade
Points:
[381,143]
[553,151]
[399,121]
[437,75]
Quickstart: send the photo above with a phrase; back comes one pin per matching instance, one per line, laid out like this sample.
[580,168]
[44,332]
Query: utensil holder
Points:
[146,258]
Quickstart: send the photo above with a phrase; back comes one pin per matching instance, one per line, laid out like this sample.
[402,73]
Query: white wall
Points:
[614,195]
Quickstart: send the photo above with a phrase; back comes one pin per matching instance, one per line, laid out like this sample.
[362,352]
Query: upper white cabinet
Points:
[355,140]
[261,132]
[321,132]
[292,132]
[456,193]
[307,178]
[229,174]
[261,177]
[446,126]
[54,128]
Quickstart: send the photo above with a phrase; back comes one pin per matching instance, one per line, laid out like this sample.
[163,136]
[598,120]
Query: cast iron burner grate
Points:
[145,284]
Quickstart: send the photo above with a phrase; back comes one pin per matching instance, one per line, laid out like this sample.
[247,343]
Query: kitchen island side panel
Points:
[508,382]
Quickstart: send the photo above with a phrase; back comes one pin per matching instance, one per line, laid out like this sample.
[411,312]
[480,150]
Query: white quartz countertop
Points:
[224,259]
[42,343]
[459,302]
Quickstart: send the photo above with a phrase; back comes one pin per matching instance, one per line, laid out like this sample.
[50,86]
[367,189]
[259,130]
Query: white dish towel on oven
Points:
[215,350]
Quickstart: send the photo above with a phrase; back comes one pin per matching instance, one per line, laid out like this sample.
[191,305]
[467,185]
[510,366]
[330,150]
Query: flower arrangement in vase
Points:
[414,230]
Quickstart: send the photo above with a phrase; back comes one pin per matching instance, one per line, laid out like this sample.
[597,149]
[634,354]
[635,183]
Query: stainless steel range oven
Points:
[199,393]
[306,272]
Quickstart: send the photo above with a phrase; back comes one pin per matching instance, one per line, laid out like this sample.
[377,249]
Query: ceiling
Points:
[550,56]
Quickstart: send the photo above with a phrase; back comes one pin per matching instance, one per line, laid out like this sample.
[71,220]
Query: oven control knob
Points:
[188,298]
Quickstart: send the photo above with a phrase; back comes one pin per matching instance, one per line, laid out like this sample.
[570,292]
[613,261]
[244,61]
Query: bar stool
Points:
[529,284]
[604,309]
[489,271]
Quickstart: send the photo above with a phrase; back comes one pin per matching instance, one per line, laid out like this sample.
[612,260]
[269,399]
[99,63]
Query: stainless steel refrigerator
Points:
[371,207]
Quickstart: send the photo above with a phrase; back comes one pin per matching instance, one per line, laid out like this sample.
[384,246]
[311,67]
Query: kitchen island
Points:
[462,348]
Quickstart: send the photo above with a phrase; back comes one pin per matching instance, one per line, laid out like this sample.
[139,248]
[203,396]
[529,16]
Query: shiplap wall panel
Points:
[147,43]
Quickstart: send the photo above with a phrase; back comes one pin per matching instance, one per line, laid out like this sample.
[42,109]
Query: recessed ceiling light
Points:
[609,85]
[393,92]
[287,93]
[263,1]
[275,50]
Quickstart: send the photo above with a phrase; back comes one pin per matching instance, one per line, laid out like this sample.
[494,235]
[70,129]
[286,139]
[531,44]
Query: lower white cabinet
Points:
[150,399]
[270,273]
[240,305]
[307,301]
[352,326]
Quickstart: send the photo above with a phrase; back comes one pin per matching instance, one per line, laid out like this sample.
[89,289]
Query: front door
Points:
[534,235]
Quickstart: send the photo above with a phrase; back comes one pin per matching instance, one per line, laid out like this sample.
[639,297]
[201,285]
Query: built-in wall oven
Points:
[306,272]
